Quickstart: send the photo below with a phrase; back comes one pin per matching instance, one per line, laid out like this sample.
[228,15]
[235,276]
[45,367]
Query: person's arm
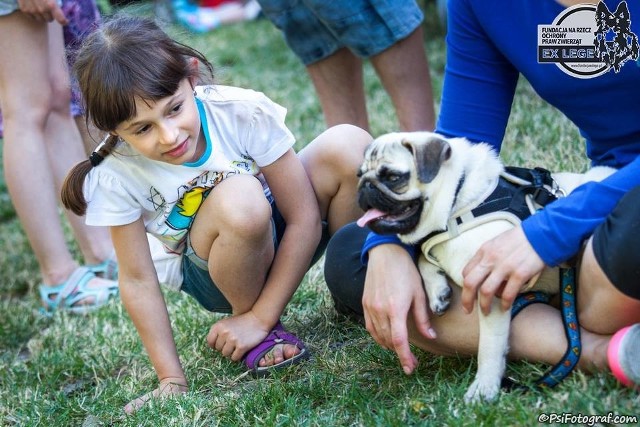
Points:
[392,291]
[143,300]
[559,230]
[297,203]
[479,82]
[505,264]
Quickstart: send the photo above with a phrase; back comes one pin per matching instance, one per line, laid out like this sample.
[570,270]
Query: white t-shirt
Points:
[244,131]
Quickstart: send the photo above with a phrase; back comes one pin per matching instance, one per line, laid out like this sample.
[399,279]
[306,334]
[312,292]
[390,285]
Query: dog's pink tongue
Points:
[369,216]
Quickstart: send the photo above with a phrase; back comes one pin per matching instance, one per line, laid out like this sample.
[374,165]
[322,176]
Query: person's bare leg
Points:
[91,136]
[26,98]
[339,86]
[233,231]
[602,308]
[404,72]
[331,162]
[536,334]
[65,149]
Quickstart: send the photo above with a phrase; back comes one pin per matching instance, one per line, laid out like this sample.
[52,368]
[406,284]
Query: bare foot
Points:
[278,354]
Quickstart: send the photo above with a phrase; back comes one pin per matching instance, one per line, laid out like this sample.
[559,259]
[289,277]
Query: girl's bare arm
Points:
[143,299]
[297,202]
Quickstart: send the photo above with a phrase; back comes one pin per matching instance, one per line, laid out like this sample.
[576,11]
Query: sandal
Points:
[623,355]
[107,269]
[74,290]
[278,335]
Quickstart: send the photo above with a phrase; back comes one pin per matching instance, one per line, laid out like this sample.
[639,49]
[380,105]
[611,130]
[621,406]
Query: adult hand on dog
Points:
[500,268]
[393,286]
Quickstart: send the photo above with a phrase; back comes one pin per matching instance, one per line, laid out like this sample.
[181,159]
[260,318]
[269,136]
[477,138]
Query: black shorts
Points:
[616,245]
[343,270]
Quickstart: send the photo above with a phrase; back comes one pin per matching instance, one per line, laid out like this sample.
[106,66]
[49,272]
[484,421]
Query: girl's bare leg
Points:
[233,231]
[331,162]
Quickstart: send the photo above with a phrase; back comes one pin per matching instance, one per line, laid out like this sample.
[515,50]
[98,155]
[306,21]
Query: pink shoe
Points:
[623,354]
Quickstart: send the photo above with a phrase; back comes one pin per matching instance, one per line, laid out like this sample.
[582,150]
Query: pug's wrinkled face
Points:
[392,179]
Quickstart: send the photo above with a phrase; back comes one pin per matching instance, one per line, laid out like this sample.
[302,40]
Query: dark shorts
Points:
[197,281]
[315,29]
[344,271]
[616,245]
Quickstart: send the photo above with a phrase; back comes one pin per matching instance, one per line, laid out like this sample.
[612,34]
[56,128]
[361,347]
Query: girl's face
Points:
[167,130]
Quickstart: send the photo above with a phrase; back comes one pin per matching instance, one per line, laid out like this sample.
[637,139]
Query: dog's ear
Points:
[428,156]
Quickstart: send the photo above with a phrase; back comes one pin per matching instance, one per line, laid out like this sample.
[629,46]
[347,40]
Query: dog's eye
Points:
[392,177]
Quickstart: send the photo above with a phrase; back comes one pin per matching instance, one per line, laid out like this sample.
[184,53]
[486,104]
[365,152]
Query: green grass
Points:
[71,370]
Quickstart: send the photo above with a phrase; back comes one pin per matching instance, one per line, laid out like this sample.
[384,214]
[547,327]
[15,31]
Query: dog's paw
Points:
[482,392]
[440,302]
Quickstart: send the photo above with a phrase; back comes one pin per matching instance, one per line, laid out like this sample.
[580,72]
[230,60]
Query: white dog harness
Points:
[518,194]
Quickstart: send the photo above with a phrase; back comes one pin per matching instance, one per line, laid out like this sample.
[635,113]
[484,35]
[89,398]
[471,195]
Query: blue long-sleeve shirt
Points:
[489,44]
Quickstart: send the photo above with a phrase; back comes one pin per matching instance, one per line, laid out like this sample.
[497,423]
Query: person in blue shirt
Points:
[489,45]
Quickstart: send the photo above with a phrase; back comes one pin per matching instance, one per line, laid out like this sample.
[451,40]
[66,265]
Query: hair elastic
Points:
[95,158]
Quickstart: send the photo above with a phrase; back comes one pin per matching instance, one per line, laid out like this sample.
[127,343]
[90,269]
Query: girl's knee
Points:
[338,150]
[241,207]
[346,141]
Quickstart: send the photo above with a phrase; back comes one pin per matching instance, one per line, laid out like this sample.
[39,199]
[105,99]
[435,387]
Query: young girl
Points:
[211,173]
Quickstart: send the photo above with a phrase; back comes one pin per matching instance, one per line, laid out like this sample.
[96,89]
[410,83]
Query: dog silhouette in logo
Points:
[614,42]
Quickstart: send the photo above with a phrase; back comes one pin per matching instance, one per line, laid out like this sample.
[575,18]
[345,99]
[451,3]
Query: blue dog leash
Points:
[569,360]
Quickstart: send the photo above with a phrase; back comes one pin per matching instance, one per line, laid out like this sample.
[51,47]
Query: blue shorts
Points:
[197,281]
[315,29]
[8,6]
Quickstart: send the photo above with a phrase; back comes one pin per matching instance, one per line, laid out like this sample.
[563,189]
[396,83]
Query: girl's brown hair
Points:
[126,58]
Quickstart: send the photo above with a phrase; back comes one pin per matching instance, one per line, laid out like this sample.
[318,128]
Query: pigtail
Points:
[126,59]
[72,193]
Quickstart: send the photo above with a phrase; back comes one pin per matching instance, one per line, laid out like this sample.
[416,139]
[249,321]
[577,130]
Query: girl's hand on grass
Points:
[234,336]
[393,287]
[168,387]
[501,268]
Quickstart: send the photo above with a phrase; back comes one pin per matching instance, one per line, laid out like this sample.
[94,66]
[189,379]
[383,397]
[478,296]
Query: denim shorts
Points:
[8,6]
[197,281]
[315,29]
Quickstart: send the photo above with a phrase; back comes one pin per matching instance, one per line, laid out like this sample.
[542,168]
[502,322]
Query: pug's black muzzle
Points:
[401,216]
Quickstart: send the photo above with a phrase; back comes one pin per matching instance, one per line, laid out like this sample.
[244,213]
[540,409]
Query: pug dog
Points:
[424,188]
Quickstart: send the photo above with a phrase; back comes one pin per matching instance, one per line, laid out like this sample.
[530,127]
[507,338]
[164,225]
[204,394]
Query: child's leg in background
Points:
[331,162]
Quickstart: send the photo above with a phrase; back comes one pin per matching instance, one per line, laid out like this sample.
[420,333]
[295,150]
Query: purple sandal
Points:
[278,335]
